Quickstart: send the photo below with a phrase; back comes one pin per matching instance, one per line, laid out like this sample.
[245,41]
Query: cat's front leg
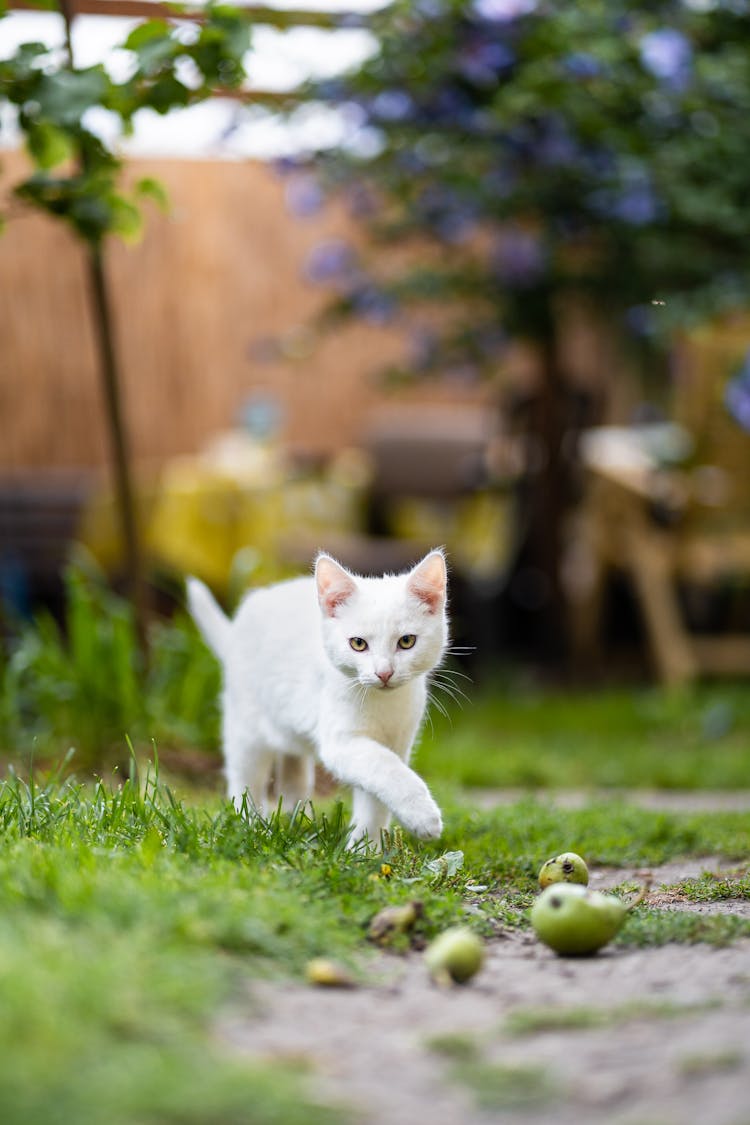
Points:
[366,764]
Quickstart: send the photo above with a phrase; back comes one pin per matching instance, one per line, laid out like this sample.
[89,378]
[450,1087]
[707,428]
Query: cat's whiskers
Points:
[456,673]
[433,701]
[443,680]
[359,691]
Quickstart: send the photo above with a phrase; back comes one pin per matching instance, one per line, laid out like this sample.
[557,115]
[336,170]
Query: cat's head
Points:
[382,632]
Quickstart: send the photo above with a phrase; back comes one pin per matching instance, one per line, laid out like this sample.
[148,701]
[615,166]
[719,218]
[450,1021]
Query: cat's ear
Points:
[335,585]
[428,581]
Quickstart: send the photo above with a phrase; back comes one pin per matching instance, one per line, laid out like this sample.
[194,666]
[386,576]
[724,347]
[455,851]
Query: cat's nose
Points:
[384,675]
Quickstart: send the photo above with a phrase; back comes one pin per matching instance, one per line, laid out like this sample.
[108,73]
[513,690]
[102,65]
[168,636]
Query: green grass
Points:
[131,920]
[506,735]
[535,1021]
[716,888]
[499,1087]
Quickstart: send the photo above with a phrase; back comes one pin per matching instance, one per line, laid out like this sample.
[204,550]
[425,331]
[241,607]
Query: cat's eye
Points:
[407,641]
[359,644]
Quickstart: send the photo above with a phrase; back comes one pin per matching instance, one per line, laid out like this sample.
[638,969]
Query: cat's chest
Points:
[391,717]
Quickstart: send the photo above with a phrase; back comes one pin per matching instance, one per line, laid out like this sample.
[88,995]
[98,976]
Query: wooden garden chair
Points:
[675,527]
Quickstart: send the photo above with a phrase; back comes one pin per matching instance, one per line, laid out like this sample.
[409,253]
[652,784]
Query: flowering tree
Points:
[76,174]
[546,149]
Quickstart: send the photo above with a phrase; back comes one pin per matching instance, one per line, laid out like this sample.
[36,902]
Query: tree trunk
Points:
[111,384]
[124,493]
[547,494]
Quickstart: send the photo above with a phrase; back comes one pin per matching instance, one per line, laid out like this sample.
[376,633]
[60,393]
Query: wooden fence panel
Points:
[192,302]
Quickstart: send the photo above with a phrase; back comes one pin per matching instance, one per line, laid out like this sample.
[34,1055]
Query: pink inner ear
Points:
[427,582]
[335,585]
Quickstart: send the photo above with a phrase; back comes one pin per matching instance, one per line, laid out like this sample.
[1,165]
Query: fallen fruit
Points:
[393,920]
[564,868]
[571,919]
[328,973]
[455,956]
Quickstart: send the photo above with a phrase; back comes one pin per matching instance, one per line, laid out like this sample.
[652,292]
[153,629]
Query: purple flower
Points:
[519,257]
[502,11]
[667,54]
[632,200]
[446,213]
[329,262]
[372,304]
[392,105]
[737,395]
[636,205]
[361,201]
[286,165]
[580,64]
[304,196]
[555,146]
[483,62]
[455,226]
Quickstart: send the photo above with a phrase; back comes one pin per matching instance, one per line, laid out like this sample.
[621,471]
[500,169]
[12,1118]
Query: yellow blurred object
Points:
[477,529]
[222,515]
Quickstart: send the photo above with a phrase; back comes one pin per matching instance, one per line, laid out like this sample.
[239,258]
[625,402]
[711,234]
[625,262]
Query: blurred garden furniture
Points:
[670,506]
[440,476]
[225,513]
[39,516]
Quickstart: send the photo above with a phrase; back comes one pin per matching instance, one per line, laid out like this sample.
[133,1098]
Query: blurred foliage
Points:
[600,149]
[76,176]
[85,686]
[518,735]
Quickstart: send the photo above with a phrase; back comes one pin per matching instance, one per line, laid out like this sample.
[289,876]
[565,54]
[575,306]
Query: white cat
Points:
[333,668]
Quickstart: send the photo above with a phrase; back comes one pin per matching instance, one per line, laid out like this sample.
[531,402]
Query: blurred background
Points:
[371,279]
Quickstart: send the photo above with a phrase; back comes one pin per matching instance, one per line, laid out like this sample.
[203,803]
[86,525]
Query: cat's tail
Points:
[208,616]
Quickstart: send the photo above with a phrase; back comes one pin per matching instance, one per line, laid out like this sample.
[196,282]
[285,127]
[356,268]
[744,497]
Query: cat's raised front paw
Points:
[424,820]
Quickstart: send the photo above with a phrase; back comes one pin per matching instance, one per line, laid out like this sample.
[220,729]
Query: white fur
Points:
[295,690]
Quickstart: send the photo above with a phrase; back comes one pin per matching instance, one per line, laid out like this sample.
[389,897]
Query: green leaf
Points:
[166,94]
[155,54]
[218,52]
[145,33]
[49,145]
[91,216]
[65,96]
[153,189]
[445,865]
[125,219]
[16,71]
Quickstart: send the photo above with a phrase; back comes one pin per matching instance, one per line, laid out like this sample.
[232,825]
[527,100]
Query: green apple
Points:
[455,956]
[564,868]
[571,919]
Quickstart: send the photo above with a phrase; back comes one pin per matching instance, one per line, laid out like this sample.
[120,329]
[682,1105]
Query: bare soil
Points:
[674,1048]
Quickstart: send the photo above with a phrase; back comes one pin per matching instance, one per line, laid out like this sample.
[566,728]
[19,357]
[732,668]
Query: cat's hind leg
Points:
[369,818]
[247,767]
[294,779]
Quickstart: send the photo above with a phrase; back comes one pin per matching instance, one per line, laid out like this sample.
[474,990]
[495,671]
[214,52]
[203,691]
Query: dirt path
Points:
[648,1036]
